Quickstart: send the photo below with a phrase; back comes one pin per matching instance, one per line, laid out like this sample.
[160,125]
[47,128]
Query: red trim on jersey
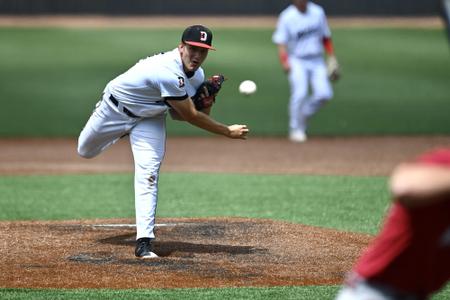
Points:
[440,156]
[328,45]
[283,57]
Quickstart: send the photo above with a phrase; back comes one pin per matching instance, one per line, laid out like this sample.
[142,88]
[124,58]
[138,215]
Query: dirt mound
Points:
[211,252]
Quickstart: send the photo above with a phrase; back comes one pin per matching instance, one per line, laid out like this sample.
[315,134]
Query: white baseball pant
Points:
[305,74]
[106,126]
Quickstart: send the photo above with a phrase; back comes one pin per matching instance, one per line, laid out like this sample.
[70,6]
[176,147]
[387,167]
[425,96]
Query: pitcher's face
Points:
[192,56]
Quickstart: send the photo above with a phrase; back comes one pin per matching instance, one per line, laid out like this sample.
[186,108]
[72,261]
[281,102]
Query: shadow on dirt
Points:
[167,248]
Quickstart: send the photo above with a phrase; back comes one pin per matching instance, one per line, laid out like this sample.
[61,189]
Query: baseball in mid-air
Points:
[247,87]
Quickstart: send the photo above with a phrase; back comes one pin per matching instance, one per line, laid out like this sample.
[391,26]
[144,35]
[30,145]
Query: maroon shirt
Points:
[412,252]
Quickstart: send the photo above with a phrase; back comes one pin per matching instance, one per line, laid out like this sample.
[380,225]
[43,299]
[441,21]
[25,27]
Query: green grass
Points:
[348,203]
[275,293]
[395,81]
[299,293]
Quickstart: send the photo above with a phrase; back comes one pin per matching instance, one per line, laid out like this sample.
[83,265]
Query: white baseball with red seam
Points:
[247,87]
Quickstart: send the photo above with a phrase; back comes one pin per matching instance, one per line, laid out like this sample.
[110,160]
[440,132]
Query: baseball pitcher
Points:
[136,104]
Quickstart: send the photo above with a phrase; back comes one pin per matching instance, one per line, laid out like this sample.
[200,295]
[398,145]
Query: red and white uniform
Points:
[411,255]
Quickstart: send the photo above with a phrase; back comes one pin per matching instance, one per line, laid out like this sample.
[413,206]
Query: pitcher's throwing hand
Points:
[238,131]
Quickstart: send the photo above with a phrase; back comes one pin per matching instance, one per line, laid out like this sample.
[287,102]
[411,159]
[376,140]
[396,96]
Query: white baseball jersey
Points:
[302,33]
[144,87]
[142,91]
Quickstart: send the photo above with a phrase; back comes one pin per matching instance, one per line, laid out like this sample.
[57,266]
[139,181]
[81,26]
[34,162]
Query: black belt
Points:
[125,110]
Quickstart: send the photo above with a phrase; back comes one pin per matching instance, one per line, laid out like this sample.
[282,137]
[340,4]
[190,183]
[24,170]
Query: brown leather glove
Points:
[207,92]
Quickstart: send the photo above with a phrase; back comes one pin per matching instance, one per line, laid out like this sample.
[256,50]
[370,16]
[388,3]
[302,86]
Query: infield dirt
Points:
[219,252]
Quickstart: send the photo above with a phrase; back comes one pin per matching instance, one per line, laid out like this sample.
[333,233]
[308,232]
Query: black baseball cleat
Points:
[144,248]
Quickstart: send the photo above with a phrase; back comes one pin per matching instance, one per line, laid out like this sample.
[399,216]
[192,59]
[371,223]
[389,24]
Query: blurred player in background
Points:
[302,34]
[445,4]
[410,257]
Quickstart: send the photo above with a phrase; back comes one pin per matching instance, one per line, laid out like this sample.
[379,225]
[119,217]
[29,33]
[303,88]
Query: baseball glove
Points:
[334,72]
[207,92]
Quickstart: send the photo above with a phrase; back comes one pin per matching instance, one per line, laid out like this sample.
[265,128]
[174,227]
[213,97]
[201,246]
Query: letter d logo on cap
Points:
[203,36]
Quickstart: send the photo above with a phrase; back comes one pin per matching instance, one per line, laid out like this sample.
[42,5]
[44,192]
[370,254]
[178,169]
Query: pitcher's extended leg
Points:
[148,140]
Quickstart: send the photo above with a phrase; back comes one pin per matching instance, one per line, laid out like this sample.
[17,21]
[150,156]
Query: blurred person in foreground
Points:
[410,257]
[136,103]
[302,35]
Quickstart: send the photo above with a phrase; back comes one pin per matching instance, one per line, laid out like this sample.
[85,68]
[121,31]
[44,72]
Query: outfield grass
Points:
[395,81]
[348,203]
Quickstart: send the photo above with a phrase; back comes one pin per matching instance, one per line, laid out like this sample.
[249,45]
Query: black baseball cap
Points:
[199,36]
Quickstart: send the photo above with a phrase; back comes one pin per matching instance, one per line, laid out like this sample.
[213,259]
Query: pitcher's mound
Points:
[210,252]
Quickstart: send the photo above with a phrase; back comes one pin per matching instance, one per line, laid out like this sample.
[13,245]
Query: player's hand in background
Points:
[333,68]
